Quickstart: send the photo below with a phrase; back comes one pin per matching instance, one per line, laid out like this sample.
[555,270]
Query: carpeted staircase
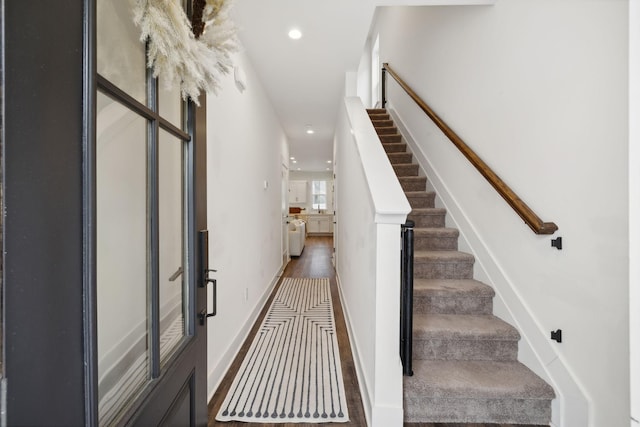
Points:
[464,358]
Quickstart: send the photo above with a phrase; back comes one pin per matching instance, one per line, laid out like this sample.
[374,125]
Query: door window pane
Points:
[172,271]
[170,103]
[121,256]
[121,55]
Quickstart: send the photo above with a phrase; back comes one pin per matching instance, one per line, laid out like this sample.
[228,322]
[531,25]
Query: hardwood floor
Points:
[315,261]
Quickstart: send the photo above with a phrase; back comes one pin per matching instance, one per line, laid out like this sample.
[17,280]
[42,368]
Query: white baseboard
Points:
[218,372]
[362,382]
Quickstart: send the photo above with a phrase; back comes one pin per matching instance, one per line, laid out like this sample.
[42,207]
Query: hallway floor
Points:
[315,261]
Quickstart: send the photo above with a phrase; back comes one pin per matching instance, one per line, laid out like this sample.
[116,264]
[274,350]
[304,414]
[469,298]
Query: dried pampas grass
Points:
[176,55]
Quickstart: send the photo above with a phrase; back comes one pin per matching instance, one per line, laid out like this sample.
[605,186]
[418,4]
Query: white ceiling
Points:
[305,78]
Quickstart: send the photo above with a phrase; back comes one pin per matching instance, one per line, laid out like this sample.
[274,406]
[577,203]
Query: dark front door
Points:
[104,191]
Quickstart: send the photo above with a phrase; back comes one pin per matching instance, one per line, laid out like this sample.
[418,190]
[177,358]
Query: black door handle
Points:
[204,278]
[214,301]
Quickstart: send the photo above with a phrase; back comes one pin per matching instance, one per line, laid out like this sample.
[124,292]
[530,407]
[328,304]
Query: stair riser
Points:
[501,411]
[395,147]
[390,138]
[427,221]
[430,243]
[386,131]
[413,184]
[443,349]
[425,201]
[382,123]
[397,158]
[446,305]
[442,270]
[376,117]
[371,111]
[406,170]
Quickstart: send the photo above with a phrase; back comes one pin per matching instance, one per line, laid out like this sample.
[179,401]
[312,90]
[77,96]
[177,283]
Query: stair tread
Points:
[435,232]
[387,130]
[390,139]
[400,156]
[406,169]
[422,193]
[443,256]
[463,326]
[476,379]
[428,211]
[450,287]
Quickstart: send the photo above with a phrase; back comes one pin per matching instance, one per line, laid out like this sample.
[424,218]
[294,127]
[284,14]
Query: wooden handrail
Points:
[530,218]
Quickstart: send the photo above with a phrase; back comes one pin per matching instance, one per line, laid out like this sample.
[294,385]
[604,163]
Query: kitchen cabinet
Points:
[320,224]
[297,191]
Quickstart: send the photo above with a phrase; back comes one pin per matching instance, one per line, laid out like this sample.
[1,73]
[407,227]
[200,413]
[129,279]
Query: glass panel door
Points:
[142,259]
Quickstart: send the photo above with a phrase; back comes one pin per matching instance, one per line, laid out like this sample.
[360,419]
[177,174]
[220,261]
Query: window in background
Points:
[319,194]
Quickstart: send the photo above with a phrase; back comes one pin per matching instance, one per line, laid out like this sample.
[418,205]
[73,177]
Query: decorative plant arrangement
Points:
[194,54]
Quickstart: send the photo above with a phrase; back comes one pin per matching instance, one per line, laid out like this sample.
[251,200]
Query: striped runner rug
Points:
[291,373]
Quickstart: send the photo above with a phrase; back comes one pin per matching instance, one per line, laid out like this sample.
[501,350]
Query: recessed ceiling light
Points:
[310,131]
[292,158]
[328,161]
[295,34]
[295,161]
[298,168]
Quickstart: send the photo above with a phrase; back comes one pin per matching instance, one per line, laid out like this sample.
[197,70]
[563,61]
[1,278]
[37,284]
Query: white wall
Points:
[538,88]
[246,148]
[364,75]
